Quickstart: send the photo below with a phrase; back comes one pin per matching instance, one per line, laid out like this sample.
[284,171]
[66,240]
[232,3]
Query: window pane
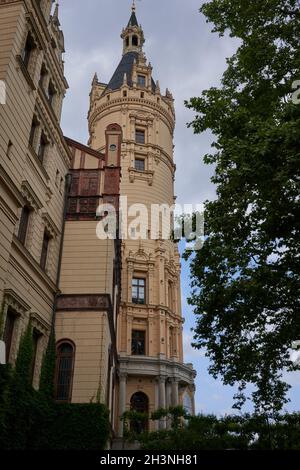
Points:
[138,343]
[139,164]
[24,224]
[140,136]
[141,80]
[138,291]
[65,360]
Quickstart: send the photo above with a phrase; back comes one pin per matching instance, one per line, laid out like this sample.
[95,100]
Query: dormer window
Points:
[141,81]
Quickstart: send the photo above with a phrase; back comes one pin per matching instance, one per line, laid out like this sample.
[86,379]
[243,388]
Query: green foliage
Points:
[31,420]
[246,289]
[133,420]
[48,369]
[76,427]
[230,432]
[174,413]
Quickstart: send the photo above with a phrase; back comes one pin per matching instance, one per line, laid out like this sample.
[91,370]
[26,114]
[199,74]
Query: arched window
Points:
[127,41]
[135,41]
[139,402]
[65,355]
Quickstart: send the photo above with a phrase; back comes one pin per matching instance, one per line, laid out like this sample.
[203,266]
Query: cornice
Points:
[10,187]
[118,102]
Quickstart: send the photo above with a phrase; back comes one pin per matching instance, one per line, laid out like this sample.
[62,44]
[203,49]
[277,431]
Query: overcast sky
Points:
[187,58]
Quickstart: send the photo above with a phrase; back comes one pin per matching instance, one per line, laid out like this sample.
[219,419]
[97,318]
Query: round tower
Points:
[152,374]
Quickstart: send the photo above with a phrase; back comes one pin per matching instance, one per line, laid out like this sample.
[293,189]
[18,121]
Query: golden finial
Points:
[133,5]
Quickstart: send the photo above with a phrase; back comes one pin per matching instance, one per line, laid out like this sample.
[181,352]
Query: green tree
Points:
[246,278]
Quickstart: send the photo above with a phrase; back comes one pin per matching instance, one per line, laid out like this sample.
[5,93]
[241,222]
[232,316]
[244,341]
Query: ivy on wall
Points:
[32,420]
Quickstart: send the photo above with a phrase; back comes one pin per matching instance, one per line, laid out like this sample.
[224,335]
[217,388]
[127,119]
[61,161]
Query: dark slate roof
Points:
[133,20]
[125,66]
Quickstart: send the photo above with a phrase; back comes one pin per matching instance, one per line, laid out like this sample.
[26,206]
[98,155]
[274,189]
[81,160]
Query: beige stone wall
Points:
[24,286]
[89,331]
[87,266]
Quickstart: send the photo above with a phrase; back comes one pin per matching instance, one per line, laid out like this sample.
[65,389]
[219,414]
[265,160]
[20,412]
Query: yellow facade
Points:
[137,104]
[115,304]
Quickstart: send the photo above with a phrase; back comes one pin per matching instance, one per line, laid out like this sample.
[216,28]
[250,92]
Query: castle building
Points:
[151,371]
[115,304]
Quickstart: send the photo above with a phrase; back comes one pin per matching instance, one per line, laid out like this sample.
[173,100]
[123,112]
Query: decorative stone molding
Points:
[141,175]
[15,302]
[83,302]
[30,196]
[39,323]
[50,225]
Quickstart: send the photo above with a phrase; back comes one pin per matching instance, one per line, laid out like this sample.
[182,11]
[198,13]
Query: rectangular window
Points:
[138,343]
[51,93]
[138,291]
[141,81]
[24,222]
[139,164]
[42,148]
[45,249]
[9,332]
[140,136]
[34,127]
[28,50]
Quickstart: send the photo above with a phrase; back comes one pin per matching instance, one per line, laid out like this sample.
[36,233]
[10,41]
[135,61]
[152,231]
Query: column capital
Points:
[122,375]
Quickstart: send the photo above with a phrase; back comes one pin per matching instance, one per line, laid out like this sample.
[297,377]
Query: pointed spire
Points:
[133,19]
[95,79]
[55,14]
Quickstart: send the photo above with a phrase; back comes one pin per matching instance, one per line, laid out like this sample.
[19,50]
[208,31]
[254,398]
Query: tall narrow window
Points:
[64,371]
[43,76]
[9,332]
[140,136]
[138,291]
[142,81]
[138,343]
[51,93]
[34,126]
[45,250]
[42,147]
[28,50]
[24,222]
[170,292]
[35,341]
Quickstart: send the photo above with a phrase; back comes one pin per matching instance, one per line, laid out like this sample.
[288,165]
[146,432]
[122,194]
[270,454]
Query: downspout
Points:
[68,181]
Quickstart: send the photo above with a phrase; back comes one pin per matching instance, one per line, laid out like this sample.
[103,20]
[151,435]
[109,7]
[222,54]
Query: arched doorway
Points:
[139,402]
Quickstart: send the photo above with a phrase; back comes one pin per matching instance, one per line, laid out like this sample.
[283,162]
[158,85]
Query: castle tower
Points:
[152,373]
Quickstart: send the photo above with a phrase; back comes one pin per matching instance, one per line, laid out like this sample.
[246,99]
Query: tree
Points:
[246,279]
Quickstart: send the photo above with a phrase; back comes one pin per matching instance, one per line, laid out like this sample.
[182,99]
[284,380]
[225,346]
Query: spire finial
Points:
[133,5]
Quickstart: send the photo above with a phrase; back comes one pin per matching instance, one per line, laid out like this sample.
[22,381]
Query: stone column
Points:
[162,399]
[175,394]
[122,400]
